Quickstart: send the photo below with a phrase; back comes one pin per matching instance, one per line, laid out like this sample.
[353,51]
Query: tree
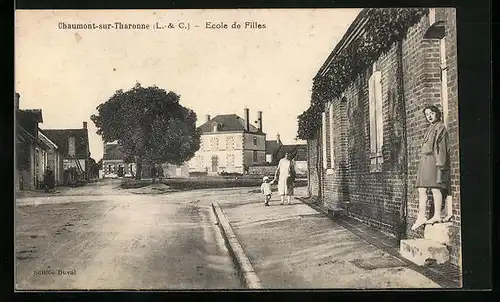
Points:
[150,125]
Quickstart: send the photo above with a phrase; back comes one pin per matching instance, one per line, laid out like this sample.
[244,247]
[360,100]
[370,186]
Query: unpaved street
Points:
[101,237]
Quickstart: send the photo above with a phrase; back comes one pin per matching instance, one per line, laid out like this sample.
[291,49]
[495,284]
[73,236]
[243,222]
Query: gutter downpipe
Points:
[404,202]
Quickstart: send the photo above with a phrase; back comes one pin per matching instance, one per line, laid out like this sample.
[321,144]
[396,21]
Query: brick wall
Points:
[411,79]
[376,197]
[313,160]
[335,189]
[453,127]
[422,85]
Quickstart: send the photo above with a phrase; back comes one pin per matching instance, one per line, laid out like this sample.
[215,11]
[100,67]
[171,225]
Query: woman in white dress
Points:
[285,174]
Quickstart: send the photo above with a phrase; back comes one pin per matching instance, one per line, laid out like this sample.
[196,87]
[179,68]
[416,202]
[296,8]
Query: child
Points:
[265,188]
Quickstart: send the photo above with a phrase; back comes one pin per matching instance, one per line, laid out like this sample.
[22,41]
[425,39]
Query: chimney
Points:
[16,101]
[278,138]
[247,119]
[207,117]
[259,120]
[84,125]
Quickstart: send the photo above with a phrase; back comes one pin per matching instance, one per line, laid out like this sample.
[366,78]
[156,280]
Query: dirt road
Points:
[100,237]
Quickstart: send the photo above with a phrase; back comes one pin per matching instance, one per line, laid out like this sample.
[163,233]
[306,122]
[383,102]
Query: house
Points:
[114,165]
[364,156]
[31,151]
[229,144]
[54,160]
[113,162]
[272,148]
[73,145]
[276,150]
[299,155]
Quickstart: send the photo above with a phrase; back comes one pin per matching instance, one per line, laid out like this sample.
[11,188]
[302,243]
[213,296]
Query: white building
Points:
[113,163]
[229,144]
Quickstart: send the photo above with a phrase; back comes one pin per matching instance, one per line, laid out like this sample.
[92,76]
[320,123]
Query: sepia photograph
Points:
[237,149]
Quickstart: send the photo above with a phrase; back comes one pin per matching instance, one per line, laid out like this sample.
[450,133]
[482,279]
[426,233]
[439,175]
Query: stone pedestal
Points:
[424,251]
[439,232]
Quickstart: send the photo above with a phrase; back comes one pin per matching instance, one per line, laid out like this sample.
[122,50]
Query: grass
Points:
[195,183]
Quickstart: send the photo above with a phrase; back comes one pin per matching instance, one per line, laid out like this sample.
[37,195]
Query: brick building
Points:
[366,154]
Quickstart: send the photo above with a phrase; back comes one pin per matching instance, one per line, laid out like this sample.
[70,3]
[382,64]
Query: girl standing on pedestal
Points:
[433,170]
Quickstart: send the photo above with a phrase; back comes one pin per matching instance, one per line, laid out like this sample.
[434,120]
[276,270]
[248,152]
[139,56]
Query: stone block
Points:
[424,251]
[439,232]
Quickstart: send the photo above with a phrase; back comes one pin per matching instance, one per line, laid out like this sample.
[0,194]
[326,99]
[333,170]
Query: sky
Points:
[68,72]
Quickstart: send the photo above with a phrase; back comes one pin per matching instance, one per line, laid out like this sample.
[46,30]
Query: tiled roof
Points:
[34,115]
[272,146]
[61,138]
[299,151]
[227,122]
[113,152]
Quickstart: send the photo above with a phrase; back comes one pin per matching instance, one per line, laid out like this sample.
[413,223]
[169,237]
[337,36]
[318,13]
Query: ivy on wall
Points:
[383,28]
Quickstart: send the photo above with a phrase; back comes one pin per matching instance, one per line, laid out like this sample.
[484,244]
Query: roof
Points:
[47,140]
[113,152]
[299,151]
[34,115]
[227,122]
[272,146]
[61,138]
[354,30]
[24,136]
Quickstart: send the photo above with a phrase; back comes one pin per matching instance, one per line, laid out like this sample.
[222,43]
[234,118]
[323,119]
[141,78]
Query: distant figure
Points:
[160,173]
[154,172]
[265,188]
[285,173]
[48,180]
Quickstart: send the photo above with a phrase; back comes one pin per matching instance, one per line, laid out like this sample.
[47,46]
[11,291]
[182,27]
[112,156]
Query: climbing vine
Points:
[383,28]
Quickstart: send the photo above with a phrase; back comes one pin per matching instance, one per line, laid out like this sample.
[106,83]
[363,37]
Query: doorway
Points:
[120,171]
[215,163]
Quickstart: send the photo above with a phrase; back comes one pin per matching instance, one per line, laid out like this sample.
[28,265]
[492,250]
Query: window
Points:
[332,137]
[323,123]
[376,120]
[230,143]
[214,141]
[444,80]
[254,156]
[230,160]
[255,141]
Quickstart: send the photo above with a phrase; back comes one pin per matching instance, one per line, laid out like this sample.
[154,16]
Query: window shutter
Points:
[379,113]
[371,105]
[332,135]
[323,126]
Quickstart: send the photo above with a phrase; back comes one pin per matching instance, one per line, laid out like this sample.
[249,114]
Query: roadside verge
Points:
[243,265]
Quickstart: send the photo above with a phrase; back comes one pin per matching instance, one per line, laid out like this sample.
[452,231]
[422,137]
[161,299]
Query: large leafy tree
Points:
[150,125]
